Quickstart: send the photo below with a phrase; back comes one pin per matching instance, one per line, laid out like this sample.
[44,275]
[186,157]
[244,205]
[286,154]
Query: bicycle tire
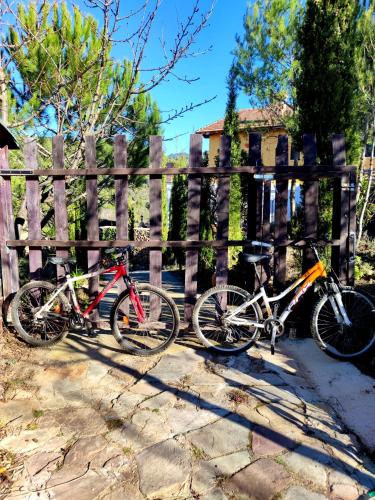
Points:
[128,338]
[197,322]
[20,321]
[335,340]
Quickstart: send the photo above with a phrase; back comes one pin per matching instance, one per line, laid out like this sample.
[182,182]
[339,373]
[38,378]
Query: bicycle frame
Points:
[121,272]
[306,281]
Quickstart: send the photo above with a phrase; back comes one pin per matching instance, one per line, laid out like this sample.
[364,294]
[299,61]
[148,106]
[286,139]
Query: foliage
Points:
[178,215]
[232,129]
[326,84]
[207,254]
[266,55]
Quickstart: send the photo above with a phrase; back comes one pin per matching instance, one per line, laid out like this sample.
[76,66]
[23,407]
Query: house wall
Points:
[269,143]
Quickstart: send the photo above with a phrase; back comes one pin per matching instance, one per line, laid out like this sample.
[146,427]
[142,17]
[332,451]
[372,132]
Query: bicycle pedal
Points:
[92,334]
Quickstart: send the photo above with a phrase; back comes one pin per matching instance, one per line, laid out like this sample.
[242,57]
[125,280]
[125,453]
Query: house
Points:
[251,120]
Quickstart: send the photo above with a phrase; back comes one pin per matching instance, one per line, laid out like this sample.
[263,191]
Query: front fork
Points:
[135,300]
[337,304]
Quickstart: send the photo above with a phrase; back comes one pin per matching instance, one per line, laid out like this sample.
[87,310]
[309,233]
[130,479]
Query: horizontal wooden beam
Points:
[289,172]
[141,244]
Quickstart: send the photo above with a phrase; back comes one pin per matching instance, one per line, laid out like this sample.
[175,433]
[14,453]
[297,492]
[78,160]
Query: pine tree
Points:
[178,215]
[231,128]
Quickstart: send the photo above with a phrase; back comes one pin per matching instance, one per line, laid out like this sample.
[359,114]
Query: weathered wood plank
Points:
[223,192]
[9,258]
[293,172]
[193,221]
[255,159]
[33,208]
[142,244]
[311,199]
[281,213]
[156,153]
[352,227]
[93,256]
[340,215]
[60,204]
[121,192]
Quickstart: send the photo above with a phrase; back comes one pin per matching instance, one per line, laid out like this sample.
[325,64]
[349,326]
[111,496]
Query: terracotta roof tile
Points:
[261,117]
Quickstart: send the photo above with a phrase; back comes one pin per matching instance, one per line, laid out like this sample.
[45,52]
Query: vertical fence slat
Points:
[255,159]
[223,190]
[340,213]
[311,199]
[352,227]
[93,256]
[193,219]
[9,258]
[156,153]
[121,192]
[59,193]
[253,220]
[33,208]
[281,213]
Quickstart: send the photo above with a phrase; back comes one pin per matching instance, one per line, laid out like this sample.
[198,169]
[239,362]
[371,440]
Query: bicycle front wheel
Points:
[159,328]
[209,322]
[48,329]
[340,341]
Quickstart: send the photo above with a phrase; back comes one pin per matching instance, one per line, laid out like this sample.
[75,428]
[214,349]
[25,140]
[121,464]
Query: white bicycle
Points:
[229,320]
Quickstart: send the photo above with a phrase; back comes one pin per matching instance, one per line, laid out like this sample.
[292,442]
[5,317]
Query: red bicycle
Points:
[144,319]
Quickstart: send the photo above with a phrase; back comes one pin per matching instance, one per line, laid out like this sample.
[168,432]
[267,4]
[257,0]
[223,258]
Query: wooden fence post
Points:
[193,220]
[340,215]
[59,194]
[281,213]
[121,192]
[255,159]
[311,199]
[253,219]
[93,256]
[9,258]
[33,208]
[156,153]
[223,192]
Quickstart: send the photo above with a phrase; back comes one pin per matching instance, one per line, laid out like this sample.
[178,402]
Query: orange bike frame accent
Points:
[315,272]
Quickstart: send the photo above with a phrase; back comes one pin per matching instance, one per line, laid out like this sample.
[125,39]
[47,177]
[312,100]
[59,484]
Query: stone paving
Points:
[87,421]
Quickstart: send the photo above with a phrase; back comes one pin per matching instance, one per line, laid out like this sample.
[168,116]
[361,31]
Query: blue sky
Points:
[211,68]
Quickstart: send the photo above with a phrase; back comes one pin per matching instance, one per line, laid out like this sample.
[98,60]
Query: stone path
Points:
[84,420]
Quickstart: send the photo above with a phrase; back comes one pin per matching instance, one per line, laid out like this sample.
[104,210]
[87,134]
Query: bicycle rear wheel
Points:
[46,330]
[209,314]
[159,329]
[341,341]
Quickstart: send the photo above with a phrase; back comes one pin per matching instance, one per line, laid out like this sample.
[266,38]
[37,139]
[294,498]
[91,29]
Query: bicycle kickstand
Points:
[273,339]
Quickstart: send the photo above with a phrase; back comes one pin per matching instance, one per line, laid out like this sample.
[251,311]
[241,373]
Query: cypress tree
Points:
[231,128]
[326,85]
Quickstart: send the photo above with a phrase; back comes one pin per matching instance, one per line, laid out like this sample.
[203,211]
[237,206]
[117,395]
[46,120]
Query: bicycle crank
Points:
[275,328]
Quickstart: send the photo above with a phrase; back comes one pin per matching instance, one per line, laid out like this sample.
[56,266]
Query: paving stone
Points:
[166,398]
[343,492]
[261,480]
[227,435]
[145,429]
[153,463]
[172,368]
[207,473]
[266,441]
[125,404]
[309,462]
[300,493]
[187,417]
[90,485]
[81,421]
[18,410]
[28,441]
[214,494]
[40,461]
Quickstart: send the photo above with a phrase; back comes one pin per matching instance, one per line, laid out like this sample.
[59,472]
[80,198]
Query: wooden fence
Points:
[343,207]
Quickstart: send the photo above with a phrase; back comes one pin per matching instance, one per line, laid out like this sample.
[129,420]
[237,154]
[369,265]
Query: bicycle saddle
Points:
[254,258]
[61,260]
